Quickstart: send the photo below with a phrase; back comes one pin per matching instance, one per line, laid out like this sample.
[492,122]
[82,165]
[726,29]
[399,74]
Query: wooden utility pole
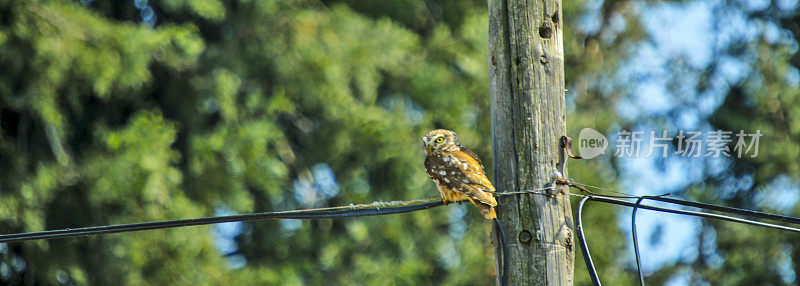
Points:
[526,74]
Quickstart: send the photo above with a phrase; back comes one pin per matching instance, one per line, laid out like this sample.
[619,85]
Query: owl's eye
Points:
[439,140]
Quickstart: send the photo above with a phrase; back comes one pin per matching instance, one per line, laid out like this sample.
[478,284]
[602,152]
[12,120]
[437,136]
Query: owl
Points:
[457,172]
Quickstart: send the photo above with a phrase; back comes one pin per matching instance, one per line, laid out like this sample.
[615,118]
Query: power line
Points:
[359,210]
[373,209]
[503,277]
[692,213]
[636,240]
[744,212]
[395,207]
[587,256]
[378,208]
[637,205]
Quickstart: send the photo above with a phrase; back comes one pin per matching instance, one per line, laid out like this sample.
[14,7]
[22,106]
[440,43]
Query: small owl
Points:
[457,172]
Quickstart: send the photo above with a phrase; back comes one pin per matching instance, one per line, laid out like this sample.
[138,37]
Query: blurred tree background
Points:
[131,111]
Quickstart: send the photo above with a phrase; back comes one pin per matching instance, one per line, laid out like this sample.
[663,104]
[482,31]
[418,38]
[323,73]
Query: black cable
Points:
[693,213]
[587,257]
[504,275]
[298,214]
[744,212]
[344,212]
[585,248]
[636,240]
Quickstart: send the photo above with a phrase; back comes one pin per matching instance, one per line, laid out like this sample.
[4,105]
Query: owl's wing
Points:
[459,172]
[474,169]
[474,156]
[478,193]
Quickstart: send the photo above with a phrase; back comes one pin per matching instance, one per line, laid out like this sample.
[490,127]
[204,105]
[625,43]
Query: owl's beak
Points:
[430,149]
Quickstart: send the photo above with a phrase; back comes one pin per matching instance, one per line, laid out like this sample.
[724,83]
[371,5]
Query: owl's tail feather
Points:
[487,210]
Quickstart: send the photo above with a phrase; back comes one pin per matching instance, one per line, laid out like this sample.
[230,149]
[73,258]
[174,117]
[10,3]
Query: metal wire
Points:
[621,194]
[587,257]
[333,212]
[744,212]
[385,208]
[636,240]
[535,192]
[374,209]
[504,275]
[695,213]
[603,199]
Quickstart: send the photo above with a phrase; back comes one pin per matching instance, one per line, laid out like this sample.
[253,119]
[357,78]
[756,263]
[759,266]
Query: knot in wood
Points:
[525,236]
[545,31]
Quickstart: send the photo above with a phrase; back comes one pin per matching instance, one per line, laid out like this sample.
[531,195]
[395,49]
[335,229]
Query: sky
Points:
[690,31]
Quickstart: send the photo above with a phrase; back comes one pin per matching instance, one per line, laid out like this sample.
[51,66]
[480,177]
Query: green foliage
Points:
[236,106]
[767,100]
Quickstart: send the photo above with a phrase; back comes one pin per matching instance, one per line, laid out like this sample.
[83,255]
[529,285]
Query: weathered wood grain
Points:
[526,73]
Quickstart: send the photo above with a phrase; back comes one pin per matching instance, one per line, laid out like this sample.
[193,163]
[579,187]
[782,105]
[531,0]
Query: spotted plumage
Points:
[457,172]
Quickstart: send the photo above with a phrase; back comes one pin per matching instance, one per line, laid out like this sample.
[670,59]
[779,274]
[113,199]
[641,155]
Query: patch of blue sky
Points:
[655,175]
[709,250]
[681,29]
[663,238]
[668,239]
[304,191]
[785,267]
[590,21]
[677,30]
[787,5]
[325,180]
[148,15]
[224,235]
[781,195]
[5,271]
[457,226]
[290,225]
[687,120]
[139,4]
[403,103]
[681,278]
[757,4]
[236,261]
[729,71]
[319,185]
[449,255]
[792,77]
[670,236]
